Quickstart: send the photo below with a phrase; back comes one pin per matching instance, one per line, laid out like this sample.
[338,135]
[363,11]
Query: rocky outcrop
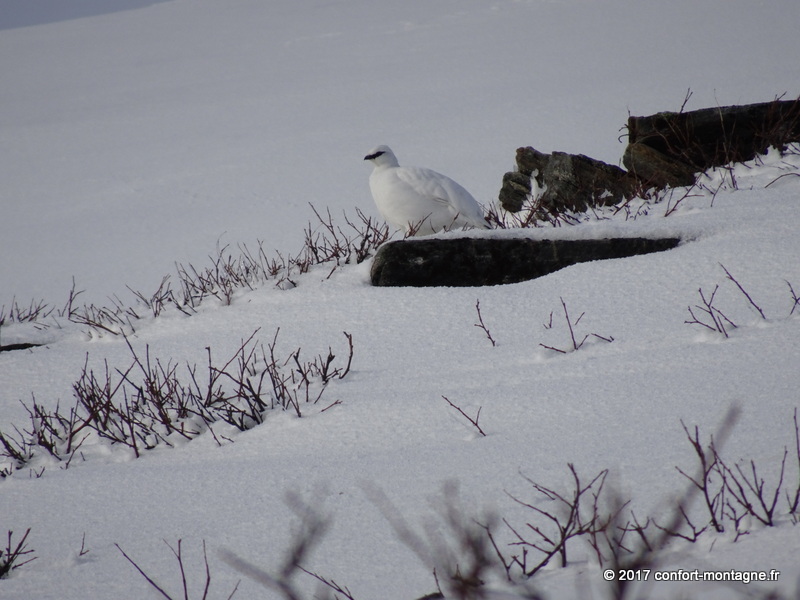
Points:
[489,261]
[572,182]
[668,148]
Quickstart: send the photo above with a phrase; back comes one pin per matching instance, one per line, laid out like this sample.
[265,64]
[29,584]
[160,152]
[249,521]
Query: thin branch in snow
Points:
[795,298]
[571,325]
[467,417]
[741,289]
[481,325]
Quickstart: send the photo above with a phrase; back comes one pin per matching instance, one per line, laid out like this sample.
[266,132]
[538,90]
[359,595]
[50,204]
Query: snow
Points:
[138,134]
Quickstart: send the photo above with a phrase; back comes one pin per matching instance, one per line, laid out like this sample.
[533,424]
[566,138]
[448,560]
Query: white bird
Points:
[417,200]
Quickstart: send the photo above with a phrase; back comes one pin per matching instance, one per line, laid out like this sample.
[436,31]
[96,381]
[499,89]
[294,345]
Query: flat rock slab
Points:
[22,346]
[467,262]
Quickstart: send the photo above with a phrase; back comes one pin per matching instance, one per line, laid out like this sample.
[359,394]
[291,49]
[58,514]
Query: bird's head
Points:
[382,156]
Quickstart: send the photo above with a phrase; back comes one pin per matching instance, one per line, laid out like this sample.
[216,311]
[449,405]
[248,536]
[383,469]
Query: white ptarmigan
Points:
[418,200]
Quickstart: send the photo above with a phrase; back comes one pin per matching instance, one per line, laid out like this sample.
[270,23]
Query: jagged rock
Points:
[668,148]
[571,182]
[515,191]
[489,261]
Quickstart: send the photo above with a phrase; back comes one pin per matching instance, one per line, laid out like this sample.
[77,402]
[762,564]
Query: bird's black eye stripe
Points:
[376,155]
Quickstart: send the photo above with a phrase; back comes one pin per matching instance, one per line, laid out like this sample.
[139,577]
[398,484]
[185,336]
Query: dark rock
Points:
[515,191]
[571,182]
[667,149]
[577,182]
[529,159]
[666,146]
[22,346]
[655,169]
[483,261]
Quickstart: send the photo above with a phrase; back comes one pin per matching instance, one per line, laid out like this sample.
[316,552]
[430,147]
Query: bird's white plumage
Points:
[420,200]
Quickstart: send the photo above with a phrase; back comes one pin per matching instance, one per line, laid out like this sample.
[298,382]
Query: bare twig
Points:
[747,490]
[178,554]
[672,206]
[795,298]
[718,318]
[84,550]
[677,533]
[794,502]
[781,177]
[346,370]
[576,345]
[741,289]
[571,518]
[480,324]
[15,555]
[708,465]
[689,94]
[330,583]
[467,417]
[149,580]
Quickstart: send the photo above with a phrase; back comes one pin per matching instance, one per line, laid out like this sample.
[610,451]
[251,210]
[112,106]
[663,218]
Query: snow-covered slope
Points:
[615,406]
